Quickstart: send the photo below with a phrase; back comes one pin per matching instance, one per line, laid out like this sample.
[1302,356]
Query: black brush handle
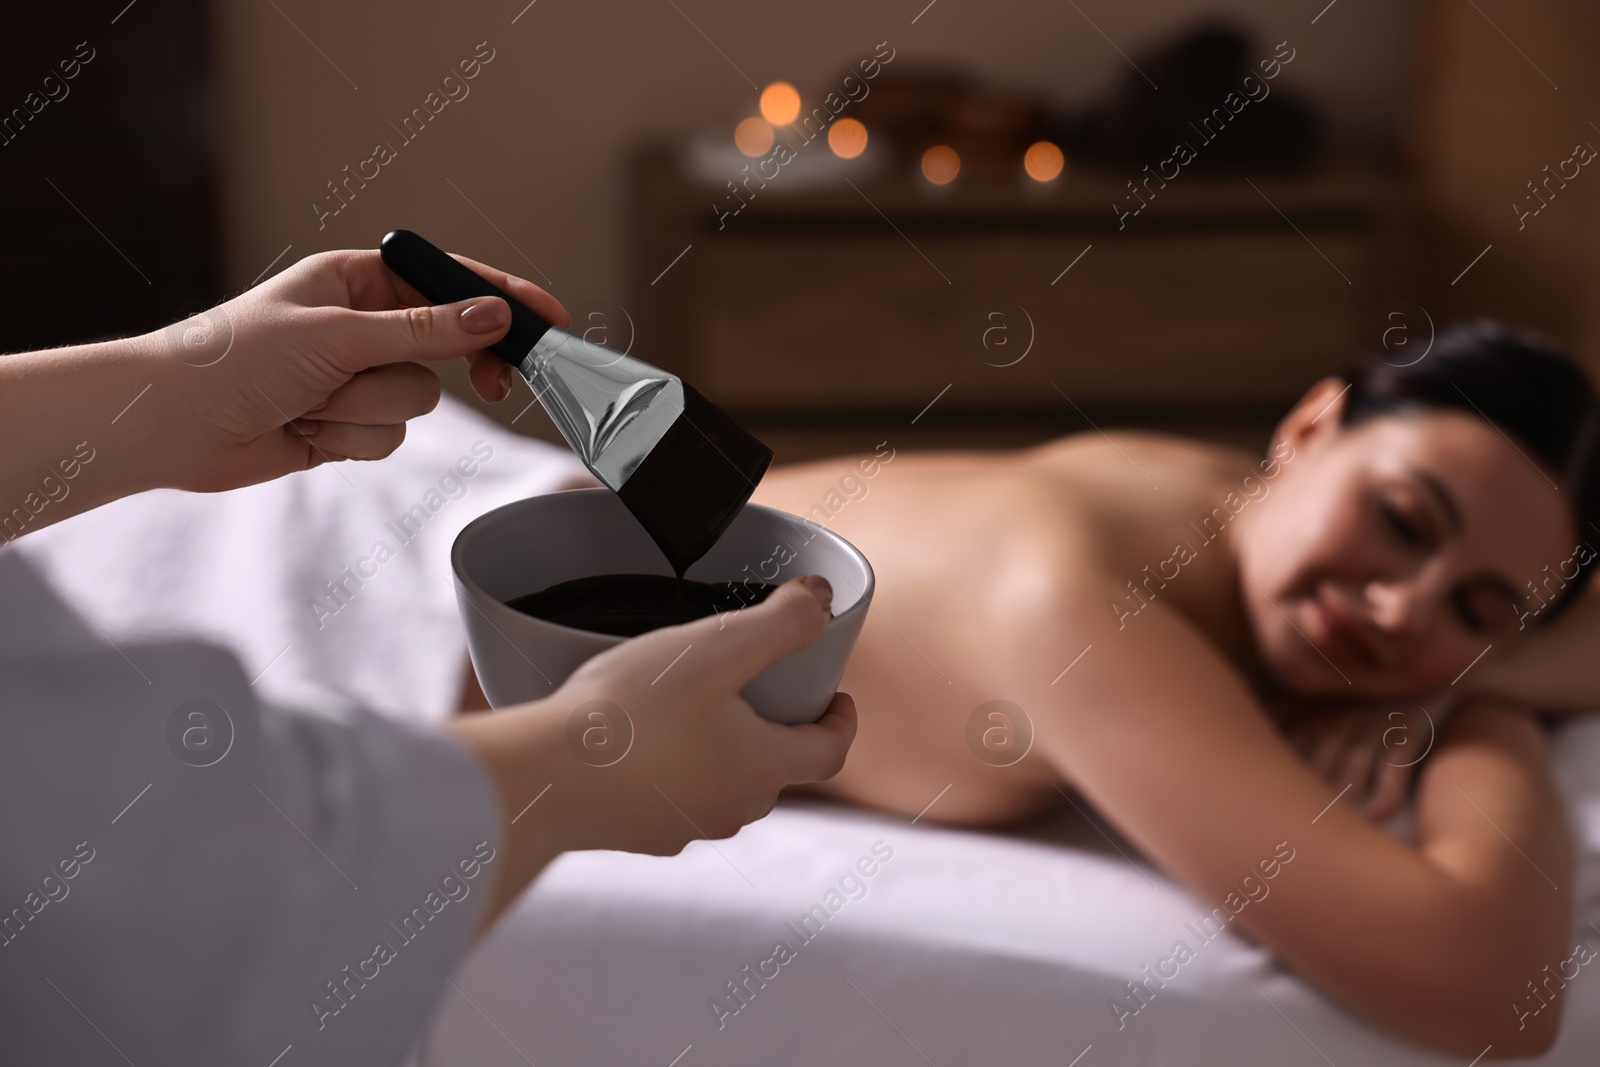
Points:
[434,274]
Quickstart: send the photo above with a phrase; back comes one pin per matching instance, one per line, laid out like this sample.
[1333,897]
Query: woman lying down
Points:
[1170,618]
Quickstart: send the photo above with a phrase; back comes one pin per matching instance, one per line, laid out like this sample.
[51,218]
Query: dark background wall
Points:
[108,199]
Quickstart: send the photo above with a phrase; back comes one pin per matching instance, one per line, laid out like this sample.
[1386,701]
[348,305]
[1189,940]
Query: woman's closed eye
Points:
[1469,617]
[1408,530]
[1484,610]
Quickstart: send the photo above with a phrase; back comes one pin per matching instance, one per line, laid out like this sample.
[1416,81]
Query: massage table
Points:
[958,947]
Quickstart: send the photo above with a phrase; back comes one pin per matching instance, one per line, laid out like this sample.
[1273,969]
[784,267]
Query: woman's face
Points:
[1391,555]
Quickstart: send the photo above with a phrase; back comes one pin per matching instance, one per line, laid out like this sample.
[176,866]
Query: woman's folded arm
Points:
[1554,669]
[1434,941]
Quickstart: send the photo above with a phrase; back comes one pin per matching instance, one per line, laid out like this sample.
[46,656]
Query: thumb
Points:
[741,644]
[423,334]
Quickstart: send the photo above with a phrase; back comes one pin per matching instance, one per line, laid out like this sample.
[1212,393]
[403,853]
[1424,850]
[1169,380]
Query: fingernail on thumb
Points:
[485,315]
[818,586]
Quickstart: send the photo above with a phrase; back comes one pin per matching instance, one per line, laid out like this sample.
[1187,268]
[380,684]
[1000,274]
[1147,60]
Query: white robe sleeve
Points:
[188,877]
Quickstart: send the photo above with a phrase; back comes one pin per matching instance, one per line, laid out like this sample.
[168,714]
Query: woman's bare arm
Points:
[1555,668]
[1433,942]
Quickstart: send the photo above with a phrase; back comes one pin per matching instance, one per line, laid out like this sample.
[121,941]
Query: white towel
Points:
[288,573]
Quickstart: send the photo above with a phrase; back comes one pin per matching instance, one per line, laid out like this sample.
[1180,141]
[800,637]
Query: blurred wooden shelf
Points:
[816,315]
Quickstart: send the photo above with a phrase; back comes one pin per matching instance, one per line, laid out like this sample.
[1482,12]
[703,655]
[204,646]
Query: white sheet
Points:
[966,947]
[253,566]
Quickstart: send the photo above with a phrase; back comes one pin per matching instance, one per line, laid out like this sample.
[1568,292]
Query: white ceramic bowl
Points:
[532,544]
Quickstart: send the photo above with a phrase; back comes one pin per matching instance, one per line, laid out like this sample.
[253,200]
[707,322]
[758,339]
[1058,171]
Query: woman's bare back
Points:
[965,543]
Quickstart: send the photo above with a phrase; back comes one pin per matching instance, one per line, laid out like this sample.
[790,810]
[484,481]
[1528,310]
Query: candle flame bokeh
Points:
[780,103]
[848,138]
[753,136]
[1043,161]
[941,164]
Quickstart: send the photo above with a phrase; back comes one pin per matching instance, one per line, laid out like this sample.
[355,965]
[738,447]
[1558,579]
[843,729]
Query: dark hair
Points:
[1518,381]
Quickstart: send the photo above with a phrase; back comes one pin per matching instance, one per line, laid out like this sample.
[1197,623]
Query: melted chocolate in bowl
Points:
[627,605]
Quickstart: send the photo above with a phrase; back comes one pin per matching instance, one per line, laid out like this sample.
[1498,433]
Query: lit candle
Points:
[780,103]
[1043,161]
[753,136]
[848,138]
[941,164]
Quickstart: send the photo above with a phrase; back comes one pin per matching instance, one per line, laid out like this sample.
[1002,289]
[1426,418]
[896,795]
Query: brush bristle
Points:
[696,479]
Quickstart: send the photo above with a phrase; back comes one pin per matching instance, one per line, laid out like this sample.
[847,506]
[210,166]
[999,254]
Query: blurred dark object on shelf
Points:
[1218,94]
[916,108]
[1196,73]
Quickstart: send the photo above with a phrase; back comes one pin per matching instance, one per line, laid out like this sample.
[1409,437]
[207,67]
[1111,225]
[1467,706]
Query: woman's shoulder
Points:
[1096,522]
[1103,500]
[1140,455]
